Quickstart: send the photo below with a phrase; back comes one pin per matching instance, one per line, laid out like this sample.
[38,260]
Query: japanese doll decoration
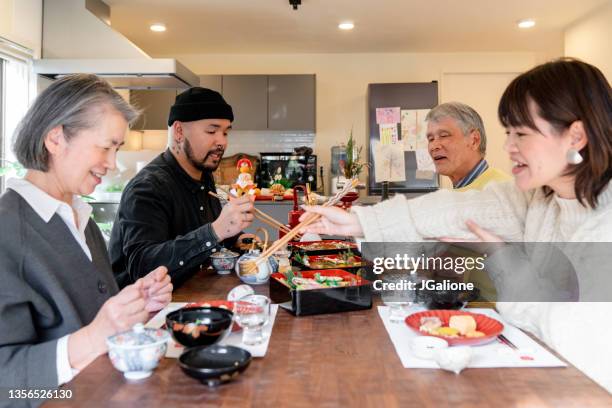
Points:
[244,184]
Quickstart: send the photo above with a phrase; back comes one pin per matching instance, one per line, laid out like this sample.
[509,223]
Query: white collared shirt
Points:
[46,206]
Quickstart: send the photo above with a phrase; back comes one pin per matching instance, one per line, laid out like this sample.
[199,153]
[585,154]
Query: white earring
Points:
[573,157]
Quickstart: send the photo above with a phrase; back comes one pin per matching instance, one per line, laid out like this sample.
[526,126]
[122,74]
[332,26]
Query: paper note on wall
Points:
[389,162]
[408,125]
[424,161]
[387,115]
[421,128]
[388,133]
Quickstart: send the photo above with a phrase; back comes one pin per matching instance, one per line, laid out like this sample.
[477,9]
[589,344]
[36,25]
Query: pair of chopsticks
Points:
[260,215]
[295,230]
[503,339]
[309,200]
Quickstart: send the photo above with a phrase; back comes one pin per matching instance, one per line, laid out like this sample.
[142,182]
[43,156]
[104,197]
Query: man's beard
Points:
[201,164]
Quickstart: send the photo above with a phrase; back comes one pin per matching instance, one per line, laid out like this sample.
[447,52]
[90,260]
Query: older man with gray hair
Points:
[457,145]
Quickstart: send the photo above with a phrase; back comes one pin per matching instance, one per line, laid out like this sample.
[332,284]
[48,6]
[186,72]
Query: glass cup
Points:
[252,312]
[399,293]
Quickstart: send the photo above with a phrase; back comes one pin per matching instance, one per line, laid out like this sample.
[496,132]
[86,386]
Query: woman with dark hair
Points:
[58,299]
[558,119]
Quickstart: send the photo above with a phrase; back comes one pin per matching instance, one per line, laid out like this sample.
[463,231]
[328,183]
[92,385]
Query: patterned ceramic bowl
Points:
[224,261]
[137,352]
[250,274]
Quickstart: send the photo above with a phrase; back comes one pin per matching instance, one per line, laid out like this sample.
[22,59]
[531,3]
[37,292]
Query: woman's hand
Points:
[117,314]
[333,221]
[157,289]
[492,241]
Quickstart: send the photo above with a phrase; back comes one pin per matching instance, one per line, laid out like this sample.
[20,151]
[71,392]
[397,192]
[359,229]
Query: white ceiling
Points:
[272,26]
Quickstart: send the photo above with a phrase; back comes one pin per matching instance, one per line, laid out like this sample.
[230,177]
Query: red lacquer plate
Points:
[490,327]
[224,304]
[324,262]
[324,245]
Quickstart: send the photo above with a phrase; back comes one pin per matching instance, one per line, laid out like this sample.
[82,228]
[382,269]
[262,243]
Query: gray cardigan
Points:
[48,288]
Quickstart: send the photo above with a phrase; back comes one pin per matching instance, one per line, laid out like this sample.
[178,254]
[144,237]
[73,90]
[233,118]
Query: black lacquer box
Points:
[305,302]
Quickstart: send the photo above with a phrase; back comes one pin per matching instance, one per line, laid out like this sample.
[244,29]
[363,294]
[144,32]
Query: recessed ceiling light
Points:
[158,27]
[527,23]
[347,25]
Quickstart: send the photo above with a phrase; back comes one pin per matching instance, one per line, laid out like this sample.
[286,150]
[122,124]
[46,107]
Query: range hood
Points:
[146,73]
[89,45]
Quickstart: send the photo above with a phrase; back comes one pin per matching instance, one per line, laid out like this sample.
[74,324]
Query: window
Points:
[16,92]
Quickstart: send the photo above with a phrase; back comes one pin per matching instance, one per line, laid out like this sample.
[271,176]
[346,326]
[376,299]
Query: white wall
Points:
[589,39]
[21,22]
[342,81]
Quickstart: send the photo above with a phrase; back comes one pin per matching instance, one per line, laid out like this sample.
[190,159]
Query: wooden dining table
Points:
[331,360]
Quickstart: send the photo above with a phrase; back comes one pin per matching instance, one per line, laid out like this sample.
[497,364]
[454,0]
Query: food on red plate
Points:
[317,280]
[324,245]
[464,324]
[483,328]
[458,326]
[430,323]
[277,189]
[342,260]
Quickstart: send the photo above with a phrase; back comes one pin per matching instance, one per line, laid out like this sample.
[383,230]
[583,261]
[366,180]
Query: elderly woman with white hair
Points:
[58,299]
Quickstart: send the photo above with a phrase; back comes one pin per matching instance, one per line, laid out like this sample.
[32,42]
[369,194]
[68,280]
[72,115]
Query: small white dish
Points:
[453,359]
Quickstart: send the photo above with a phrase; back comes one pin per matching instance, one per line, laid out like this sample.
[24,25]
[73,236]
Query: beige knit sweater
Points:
[581,332]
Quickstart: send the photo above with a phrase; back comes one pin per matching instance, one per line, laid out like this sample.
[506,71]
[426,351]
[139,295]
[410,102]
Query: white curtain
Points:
[18,90]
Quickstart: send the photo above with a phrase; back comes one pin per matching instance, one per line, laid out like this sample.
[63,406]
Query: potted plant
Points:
[353,165]
[352,168]
[11,168]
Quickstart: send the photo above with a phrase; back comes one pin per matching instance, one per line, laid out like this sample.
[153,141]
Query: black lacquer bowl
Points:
[215,364]
[199,326]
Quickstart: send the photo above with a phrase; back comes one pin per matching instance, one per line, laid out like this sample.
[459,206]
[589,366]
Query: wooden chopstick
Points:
[295,230]
[281,242]
[260,215]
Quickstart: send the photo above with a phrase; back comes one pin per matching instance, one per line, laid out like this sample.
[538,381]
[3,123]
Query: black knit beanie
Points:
[199,103]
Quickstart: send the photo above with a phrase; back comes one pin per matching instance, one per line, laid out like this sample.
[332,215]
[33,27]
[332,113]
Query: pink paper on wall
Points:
[387,115]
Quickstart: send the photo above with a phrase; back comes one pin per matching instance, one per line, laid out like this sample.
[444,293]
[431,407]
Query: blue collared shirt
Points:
[473,174]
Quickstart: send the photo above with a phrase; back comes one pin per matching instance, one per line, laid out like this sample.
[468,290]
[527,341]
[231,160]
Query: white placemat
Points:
[494,354]
[234,339]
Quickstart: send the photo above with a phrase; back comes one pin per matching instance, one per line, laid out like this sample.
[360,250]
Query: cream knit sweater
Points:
[580,332]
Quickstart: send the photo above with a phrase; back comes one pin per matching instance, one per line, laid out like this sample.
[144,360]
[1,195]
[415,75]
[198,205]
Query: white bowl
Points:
[137,352]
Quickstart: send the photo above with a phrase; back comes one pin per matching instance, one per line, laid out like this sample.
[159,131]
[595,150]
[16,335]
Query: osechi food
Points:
[318,281]
[458,326]
[343,260]
[326,245]
[277,189]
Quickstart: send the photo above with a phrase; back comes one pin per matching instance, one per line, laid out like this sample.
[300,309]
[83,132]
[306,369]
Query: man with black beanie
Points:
[166,216]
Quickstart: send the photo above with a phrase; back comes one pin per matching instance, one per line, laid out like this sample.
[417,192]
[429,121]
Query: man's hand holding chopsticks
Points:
[235,216]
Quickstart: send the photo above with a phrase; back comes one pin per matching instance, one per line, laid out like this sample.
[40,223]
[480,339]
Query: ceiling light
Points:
[527,23]
[346,25]
[158,27]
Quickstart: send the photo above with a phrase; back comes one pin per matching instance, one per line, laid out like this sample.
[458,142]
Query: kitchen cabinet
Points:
[248,96]
[291,102]
[155,106]
[260,102]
